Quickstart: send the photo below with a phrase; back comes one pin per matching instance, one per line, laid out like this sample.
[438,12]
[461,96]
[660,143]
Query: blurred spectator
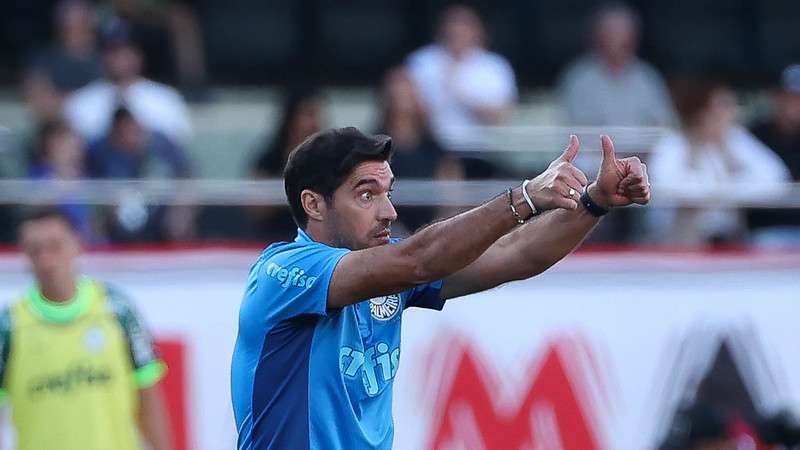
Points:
[59,153]
[174,22]
[302,115]
[71,62]
[416,152]
[461,84]
[781,132]
[42,99]
[83,371]
[60,156]
[610,85]
[130,151]
[156,106]
[710,156]
[68,64]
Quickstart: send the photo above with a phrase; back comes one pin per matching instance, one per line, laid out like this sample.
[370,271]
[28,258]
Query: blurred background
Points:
[161,128]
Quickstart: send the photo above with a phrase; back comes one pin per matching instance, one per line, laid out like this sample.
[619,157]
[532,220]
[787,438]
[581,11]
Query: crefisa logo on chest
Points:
[384,308]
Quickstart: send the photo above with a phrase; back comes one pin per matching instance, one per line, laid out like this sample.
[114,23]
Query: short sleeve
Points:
[426,296]
[148,367]
[294,282]
[491,82]
[506,82]
[573,95]
[5,349]
[661,107]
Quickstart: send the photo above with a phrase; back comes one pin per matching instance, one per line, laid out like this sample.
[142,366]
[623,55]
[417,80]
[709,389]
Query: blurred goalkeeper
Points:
[319,326]
[76,364]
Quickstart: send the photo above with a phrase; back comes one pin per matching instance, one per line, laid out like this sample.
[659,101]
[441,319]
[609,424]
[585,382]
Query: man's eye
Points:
[366,196]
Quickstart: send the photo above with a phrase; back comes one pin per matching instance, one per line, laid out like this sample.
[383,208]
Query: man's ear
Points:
[313,204]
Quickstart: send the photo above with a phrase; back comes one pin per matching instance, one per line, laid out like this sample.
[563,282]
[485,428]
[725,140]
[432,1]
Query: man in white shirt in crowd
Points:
[711,158]
[462,85]
[156,106]
[610,85]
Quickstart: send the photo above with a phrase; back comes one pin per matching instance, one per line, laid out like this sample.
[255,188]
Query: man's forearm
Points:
[445,247]
[536,246]
[526,251]
[153,419]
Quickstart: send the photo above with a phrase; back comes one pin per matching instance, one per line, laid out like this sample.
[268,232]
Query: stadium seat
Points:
[698,35]
[360,39]
[252,40]
[777,20]
[556,32]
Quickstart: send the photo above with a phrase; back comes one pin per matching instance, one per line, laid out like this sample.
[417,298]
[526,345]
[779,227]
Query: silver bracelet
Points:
[517,217]
[528,197]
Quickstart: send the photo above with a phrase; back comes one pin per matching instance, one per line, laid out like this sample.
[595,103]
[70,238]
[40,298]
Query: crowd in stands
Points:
[98,116]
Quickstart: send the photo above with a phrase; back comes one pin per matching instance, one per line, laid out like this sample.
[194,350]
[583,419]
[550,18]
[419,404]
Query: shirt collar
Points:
[65,311]
[303,237]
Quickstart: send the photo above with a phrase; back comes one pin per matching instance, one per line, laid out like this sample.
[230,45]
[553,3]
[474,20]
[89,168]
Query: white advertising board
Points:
[595,353]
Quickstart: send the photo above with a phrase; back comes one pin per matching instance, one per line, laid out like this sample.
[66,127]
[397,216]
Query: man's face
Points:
[788,108]
[362,213]
[76,26]
[461,30]
[50,245]
[123,62]
[308,119]
[400,94]
[129,135]
[64,153]
[615,37]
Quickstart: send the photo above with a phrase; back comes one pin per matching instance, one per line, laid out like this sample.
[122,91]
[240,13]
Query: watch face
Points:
[592,207]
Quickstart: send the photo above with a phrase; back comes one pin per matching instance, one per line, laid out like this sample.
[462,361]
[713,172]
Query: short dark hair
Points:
[692,95]
[36,213]
[44,133]
[324,160]
[615,7]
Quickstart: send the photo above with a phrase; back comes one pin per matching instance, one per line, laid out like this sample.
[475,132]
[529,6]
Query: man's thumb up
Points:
[609,155]
[571,151]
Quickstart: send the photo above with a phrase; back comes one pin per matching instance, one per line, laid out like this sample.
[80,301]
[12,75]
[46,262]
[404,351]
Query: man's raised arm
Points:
[446,247]
[534,247]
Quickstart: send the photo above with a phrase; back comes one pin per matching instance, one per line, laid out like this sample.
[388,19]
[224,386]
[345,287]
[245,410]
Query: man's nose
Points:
[387,211]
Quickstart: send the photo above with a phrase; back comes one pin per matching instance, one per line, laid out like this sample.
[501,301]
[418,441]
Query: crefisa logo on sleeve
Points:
[384,308]
[293,276]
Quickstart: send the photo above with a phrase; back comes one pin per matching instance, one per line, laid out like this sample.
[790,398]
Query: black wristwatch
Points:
[592,207]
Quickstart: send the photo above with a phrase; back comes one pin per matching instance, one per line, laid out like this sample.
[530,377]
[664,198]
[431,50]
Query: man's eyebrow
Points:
[364,181]
[372,181]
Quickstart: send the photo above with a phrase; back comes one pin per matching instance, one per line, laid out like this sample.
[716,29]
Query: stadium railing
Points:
[408,192]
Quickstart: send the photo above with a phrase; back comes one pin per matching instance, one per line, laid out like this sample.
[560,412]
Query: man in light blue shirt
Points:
[319,326]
